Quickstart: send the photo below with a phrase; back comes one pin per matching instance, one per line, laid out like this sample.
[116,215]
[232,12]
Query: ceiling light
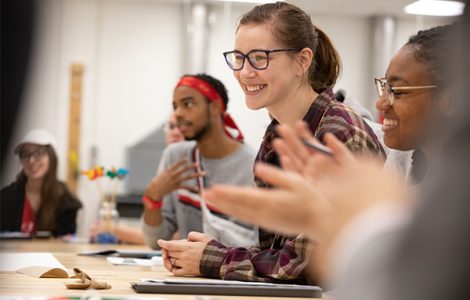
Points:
[435,8]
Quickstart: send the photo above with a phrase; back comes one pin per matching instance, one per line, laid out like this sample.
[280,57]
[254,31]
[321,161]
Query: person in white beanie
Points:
[37,200]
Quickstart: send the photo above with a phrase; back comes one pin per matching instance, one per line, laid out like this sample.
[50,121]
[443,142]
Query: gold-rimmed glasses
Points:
[384,88]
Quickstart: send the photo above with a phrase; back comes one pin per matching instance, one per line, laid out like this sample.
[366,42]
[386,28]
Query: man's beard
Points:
[199,134]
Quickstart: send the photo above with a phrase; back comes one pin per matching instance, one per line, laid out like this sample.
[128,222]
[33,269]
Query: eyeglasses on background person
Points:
[37,154]
[258,58]
[383,87]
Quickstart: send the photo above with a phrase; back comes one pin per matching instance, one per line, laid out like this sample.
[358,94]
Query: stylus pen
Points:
[318,147]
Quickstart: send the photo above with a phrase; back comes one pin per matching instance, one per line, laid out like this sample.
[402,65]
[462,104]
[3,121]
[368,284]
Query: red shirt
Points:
[28,222]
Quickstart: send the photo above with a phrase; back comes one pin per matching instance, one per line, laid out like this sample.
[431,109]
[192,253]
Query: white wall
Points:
[351,37]
[131,51]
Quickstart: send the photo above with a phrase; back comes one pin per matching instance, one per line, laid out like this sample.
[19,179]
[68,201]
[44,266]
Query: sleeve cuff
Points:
[212,259]
[150,234]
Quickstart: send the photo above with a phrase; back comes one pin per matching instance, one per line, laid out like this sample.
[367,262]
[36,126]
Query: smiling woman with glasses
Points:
[291,70]
[37,200]
[415,97]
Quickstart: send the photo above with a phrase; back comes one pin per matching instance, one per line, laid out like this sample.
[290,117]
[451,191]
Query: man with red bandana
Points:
[213,153]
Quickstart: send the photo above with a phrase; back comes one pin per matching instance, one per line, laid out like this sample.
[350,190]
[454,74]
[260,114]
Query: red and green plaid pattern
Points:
[280,258]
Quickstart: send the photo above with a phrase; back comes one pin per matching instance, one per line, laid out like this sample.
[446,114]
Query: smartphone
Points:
[318,147]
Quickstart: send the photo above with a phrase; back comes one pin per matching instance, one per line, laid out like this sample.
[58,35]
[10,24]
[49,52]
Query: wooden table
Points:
[120,277]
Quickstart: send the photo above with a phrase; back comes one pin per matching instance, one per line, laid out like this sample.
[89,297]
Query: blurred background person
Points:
[37,200]
[214,152]
[172,132]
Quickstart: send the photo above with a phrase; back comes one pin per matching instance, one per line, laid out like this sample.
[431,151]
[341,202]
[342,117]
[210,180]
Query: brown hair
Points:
[51,192]
[292,27]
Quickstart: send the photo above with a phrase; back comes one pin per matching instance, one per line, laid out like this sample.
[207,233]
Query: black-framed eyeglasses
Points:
[258,58]
[37,154]
[384,88]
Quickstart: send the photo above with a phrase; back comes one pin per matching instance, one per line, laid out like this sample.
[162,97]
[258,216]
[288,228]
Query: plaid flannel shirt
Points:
[280,258]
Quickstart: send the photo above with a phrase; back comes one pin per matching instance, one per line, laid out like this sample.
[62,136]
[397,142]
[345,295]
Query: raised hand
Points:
[294,155]
[318,203]
[288,209]
[172,179]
